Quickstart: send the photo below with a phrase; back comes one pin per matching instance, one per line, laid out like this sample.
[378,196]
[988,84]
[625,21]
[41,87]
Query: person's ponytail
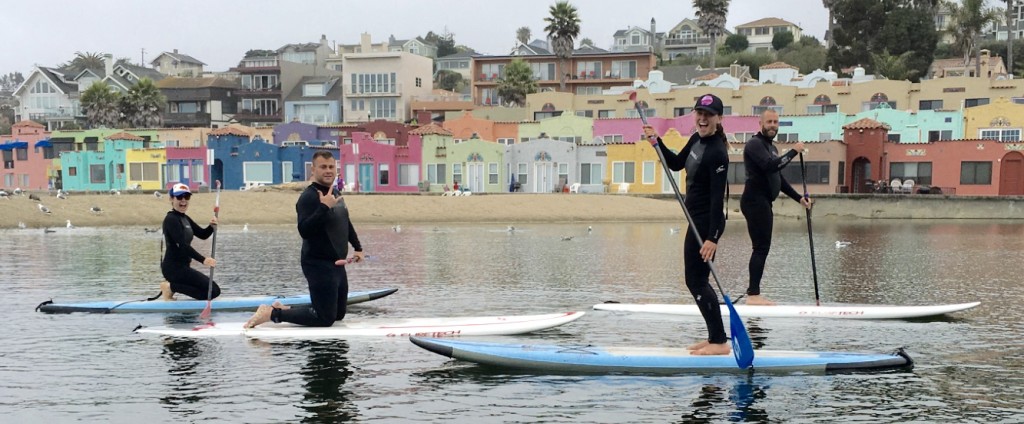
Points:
[720,131]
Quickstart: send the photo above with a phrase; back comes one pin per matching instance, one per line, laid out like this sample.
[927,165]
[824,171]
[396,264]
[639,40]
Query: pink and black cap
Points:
[710,103]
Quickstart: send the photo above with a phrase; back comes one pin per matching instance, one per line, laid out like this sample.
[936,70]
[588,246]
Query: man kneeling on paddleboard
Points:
[179,230]
[326,232]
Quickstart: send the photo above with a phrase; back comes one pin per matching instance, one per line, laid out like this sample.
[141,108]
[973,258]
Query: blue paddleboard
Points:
[219,304]
[651,360]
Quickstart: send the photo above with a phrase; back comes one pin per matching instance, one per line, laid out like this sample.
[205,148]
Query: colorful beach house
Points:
[241,162]
[542,166]
[27,156]
[369,165]
[105,170]
[187,165]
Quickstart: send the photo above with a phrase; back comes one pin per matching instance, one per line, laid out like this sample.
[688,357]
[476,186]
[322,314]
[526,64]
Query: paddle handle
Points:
[213,243]
[810,232]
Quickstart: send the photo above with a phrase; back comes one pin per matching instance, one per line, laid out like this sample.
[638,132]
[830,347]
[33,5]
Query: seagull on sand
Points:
[157,194]
[33,197]
[43,209]
[69,224]
[62,195]
[96,210]
[673,230]
[21,225]
[5,195]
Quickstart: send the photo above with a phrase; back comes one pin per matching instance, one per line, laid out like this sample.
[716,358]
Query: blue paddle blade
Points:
[742,348]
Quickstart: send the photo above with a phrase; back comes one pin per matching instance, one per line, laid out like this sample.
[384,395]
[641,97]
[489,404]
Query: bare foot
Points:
[698,345]
[277,305]
[713,349]
[756,299]
[261,316]
[165,291]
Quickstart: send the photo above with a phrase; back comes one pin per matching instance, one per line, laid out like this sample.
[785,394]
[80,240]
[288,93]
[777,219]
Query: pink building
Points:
[27,157]
[616,130]
[369,166]
[187,165]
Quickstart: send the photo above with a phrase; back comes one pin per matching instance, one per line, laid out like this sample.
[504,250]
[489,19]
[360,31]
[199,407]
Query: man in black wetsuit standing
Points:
[327,231]
[764,182]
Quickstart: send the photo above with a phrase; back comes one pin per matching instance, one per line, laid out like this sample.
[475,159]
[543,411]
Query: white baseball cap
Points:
[179,189]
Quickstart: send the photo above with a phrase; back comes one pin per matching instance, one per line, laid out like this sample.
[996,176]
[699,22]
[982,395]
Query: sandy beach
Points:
[276,205]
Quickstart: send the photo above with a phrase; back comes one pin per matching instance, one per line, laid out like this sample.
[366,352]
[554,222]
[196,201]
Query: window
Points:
[258,172]
[97,174]
[930,105]
[937,135]
[758,110]
[544,71]
[492,173]
[408,174]
[623,172]
[920,172]
[373,83]
[680,111]
[72,171]
[976,173]
[975,102]
[634,39]
[613,138]
[537,116]
[894,138]
[21,154]
[819,109]
[588,90]
[585,113]
[489,96]
[736,174]
[563,173]
[436,173]
[648,170]
[457,173]
[382,174]
[792,137]
[419,82]
[606,114]
[312,113]
[842,173]
[817,173]
[588,69]
[309,90]
[264,107]
[648,112]
[1009,134]
[286,171]
[506,141]
[743,137]
[590,173]
[521,177]
[624,69]
[825,136]
[493,71]
[383,108]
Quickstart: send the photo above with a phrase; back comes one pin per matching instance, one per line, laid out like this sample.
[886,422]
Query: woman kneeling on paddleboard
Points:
[179,230]
[706,160]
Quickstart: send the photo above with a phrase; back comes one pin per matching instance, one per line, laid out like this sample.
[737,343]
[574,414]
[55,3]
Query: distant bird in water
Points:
[150,230]
[21,225]
[841,244]
[567,238]
[43,209]
[47,231]
[33,197]
[673,230]
[245,228]
[96,210]
[69,224]
[511,229]
[590,229]
[397,228]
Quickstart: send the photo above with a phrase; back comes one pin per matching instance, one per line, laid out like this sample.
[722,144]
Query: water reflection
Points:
[327,399]
[742,395]
[184,395]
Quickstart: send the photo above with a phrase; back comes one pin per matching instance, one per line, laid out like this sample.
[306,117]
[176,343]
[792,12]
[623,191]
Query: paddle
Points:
[205,315]
[810,234]
[742,348]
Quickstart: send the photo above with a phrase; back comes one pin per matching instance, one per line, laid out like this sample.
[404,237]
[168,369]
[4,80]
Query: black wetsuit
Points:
[707,165]
[764,181]
[178,232]
[326,234]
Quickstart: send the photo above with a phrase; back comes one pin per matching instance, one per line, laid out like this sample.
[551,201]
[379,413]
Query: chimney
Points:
[364,42]
[654,35]
[175,51]
[108,64]
[323,41]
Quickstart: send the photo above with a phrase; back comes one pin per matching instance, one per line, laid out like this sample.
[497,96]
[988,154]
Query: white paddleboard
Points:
[380,327]
[798,311]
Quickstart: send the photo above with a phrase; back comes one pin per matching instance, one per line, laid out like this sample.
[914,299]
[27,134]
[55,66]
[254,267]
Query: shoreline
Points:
[276,205]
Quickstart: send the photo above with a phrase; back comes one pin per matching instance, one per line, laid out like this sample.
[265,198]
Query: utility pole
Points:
[1011,27]
[143,57]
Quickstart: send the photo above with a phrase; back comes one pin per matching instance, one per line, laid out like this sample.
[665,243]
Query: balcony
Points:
[687,41]
[188,119]
[251,65]
[373,90]
[260,115]
[260,91]
[49,114]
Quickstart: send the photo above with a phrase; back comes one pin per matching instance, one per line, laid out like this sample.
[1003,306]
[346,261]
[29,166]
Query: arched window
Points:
[822,100]
[548,107]
[879,98]
[767,101]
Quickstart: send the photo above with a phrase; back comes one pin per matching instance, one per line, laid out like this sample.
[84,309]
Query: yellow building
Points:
[635,167]
[1001,120]
[145,168]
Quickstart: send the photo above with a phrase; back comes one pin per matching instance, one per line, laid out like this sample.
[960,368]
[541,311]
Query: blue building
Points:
[240,163]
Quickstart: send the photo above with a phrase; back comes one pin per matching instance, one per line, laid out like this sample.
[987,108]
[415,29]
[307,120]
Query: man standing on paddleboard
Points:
[326,231]
[764,182]
[179,230]
[706,160]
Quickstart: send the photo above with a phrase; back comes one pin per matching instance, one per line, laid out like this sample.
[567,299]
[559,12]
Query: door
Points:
[666,186]
[366,177]
[350,175]
[543,177]
[475,177]
[861,176]
[1011,175]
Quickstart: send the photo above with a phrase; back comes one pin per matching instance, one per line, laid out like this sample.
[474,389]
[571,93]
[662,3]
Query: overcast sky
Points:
[219,32]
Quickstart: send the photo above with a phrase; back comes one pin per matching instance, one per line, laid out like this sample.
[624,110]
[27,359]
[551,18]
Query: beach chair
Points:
[896,185]
[908,186]
[574,188]
[623,188]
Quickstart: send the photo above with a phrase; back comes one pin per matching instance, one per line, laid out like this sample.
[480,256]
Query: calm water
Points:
[83,367]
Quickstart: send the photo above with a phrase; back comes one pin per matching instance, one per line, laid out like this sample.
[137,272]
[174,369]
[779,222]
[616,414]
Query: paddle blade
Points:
[742,348]
[205,315]
[632,96]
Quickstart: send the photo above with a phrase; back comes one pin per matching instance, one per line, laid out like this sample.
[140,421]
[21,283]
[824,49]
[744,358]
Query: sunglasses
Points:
[185,196]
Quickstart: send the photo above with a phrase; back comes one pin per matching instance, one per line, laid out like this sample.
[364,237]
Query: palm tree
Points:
[517,83]
[101,105]
[891,66]
[143,104]
[83,61]
[711,19]
[563,28]
[523,35]
[967,21]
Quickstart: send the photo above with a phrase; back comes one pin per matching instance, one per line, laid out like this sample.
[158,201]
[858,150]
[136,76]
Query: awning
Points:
[14,145]
[44,143]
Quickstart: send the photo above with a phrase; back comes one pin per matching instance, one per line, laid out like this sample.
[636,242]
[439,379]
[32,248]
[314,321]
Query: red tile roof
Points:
[430,129]
[779,65]
[124,136]
[230,130]
[866,124]
[28,123]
